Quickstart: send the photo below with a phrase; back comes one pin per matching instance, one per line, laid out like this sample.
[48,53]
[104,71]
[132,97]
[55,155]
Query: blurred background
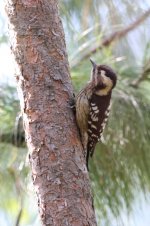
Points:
[113,32]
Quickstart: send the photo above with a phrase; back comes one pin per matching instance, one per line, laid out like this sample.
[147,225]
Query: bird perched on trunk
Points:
[93,106]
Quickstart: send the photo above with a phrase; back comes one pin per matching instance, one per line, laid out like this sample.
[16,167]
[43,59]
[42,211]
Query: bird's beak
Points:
[93,64]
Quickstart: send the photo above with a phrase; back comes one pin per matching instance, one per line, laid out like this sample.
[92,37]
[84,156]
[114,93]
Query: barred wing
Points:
[98,116]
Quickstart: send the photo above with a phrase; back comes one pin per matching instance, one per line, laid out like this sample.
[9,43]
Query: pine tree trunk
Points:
[58,168]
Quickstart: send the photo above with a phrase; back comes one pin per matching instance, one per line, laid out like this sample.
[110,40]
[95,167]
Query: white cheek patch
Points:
[106,81]
[103,73]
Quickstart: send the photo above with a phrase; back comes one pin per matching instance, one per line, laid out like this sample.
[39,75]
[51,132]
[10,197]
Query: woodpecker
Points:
[93,106]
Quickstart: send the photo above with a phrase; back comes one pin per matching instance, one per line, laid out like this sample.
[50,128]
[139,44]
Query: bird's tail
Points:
[90,152]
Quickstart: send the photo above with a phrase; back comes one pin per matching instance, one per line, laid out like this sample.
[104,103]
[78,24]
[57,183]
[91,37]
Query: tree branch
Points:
[144,76]
[114,37]
[59,172]
[19,215]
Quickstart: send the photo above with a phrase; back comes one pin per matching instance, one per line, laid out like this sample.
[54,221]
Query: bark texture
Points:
[58,168]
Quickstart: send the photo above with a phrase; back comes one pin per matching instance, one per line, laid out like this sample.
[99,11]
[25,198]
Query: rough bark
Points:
[59,174]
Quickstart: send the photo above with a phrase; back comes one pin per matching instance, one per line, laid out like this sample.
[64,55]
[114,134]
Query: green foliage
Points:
[120,166]
[13,172]
[3,39]
[9,108]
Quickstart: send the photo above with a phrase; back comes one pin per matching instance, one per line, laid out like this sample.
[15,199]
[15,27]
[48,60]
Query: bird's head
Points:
[103,78]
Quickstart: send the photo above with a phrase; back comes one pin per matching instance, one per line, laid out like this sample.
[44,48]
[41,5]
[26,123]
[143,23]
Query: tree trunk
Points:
[59,173]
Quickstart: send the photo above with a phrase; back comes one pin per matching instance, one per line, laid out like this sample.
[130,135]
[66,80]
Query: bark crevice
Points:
[59,173]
